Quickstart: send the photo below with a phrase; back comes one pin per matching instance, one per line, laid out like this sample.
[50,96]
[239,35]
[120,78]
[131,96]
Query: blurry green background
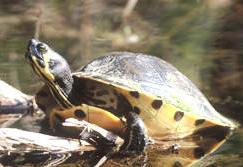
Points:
[202,38]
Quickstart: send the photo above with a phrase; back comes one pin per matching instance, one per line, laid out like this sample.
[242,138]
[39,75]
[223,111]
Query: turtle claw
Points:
[136,138]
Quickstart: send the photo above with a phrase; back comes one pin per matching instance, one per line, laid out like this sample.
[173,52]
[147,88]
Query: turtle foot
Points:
[136,138]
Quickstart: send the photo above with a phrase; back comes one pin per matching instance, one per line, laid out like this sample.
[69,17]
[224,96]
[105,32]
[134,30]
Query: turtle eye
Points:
[41,48]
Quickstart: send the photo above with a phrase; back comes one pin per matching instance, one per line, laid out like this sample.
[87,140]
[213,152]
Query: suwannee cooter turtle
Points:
[131,94]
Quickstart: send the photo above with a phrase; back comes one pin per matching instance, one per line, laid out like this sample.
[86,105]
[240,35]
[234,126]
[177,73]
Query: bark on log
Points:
[13,104]
[19,141]
[18,147]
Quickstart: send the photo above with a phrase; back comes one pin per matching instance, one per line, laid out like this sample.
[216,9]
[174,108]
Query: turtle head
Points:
[51,67]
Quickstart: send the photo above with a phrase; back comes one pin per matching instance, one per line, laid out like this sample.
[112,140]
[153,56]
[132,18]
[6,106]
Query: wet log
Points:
[19,147]
[19,141]
[13,104]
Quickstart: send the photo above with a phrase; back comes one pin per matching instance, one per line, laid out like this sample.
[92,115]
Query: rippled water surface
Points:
[203,39]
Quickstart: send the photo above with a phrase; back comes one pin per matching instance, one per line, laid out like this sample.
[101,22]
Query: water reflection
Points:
[202,38]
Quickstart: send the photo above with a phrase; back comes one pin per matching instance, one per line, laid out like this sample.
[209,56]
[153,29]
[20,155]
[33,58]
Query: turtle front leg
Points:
[136,137]
[90,114]
[135,131]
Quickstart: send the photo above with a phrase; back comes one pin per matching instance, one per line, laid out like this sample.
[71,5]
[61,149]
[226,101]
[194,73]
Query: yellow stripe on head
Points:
[43,72]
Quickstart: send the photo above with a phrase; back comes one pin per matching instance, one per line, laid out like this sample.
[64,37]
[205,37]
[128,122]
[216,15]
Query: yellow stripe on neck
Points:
[45,73]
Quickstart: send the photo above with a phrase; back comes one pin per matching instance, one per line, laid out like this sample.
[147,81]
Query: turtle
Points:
[134,95]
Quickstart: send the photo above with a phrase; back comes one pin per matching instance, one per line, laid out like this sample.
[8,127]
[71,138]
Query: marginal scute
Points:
[178,115]
[216,132]
[136,110]
[134,94]
[199,122]
[79,113]
[156,104]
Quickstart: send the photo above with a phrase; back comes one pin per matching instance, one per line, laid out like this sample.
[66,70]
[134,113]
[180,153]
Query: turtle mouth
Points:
[33,53]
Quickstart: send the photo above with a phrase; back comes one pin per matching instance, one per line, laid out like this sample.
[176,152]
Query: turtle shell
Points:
[168,102]
[157,90]
[151,75]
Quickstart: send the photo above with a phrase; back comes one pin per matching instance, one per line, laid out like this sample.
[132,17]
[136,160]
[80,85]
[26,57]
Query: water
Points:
[203,39]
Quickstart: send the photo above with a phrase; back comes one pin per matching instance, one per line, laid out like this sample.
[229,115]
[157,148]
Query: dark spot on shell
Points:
[177,164]
[156,104]
[198,152]
[136,110]
[216,132]
[178,115]
[79,113]
[199,122]
[134,94]
[42,94]
[123,107]
[102,92]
